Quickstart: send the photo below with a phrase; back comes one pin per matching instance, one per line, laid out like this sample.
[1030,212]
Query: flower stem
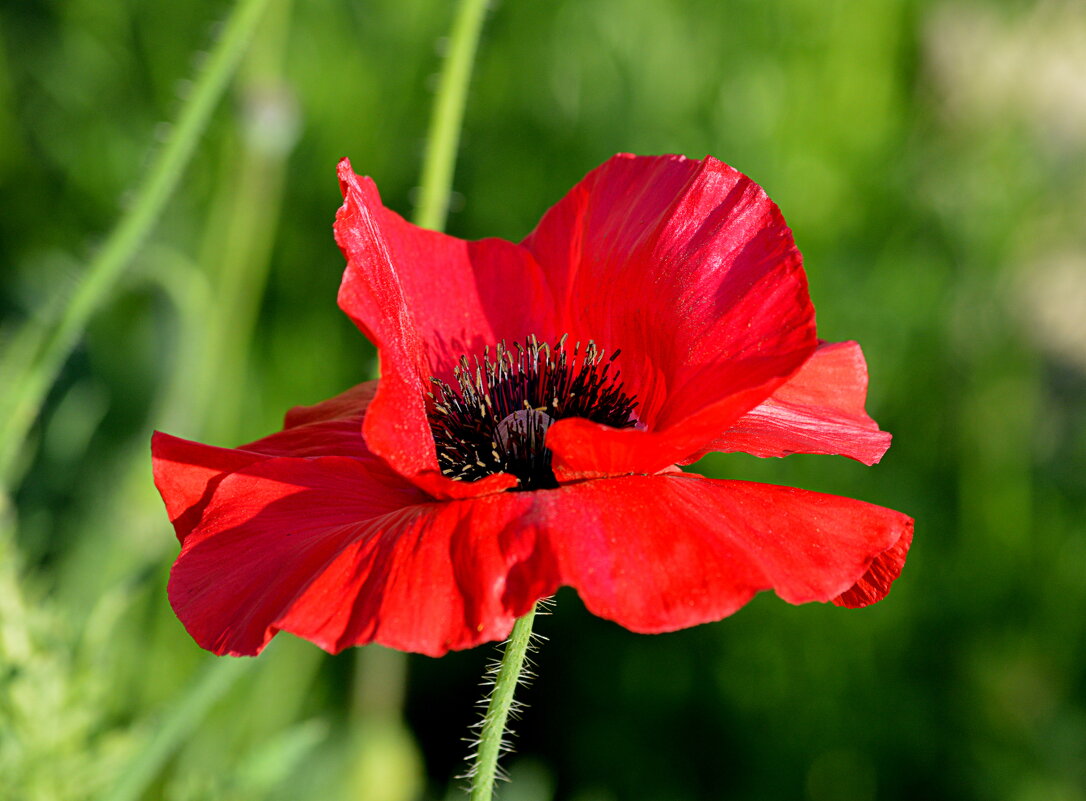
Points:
[48,348]
[448,115]
[497,711]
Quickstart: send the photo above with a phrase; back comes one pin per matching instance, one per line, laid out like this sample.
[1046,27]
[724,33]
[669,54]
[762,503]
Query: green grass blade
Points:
[26,386]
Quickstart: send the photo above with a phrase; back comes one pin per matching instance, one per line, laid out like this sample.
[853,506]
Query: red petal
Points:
[334,428]
[343,555]
[658,553]
[690,270]
[819,410]
[343,552]
[350,404]
[186,473]
[425,299]
[875,583]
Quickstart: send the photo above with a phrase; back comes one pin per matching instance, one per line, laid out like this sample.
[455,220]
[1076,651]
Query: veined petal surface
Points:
[659,553]
[688,268]
[818,410]
[342,556]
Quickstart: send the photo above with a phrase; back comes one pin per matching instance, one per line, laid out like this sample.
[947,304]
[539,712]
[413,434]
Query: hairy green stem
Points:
[497,711]
[448,116]
[24,391]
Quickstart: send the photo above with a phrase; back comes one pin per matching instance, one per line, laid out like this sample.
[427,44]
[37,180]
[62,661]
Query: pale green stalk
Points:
[431,212]
[448,116]
[24,388]
[509,675]
[380,672]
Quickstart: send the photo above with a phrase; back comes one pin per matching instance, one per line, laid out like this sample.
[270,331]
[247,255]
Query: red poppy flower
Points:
[534,406]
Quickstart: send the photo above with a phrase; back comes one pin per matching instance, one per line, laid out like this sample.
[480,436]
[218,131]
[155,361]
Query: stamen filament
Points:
[496,419]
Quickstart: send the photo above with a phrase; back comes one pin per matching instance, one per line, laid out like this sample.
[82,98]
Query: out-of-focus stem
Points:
[447,119]
[380,673]
[242,228]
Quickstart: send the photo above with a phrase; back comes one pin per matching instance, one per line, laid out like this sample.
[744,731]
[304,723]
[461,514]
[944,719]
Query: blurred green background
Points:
[931,160]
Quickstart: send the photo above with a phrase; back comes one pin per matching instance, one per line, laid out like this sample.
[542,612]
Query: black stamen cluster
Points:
[497,420]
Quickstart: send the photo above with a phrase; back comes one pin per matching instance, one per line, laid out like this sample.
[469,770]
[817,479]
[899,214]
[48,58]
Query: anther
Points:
[497,417]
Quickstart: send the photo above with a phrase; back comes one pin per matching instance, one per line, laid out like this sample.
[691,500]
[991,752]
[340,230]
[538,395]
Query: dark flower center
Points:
[497,419]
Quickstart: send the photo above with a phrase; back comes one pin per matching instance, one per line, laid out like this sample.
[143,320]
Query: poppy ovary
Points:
[496,419]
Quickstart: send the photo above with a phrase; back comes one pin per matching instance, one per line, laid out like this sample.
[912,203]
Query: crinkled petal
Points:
[819,410]
[343,552]
[425,299]
[658,553]
[690,270]
[875,583]
[341,555]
